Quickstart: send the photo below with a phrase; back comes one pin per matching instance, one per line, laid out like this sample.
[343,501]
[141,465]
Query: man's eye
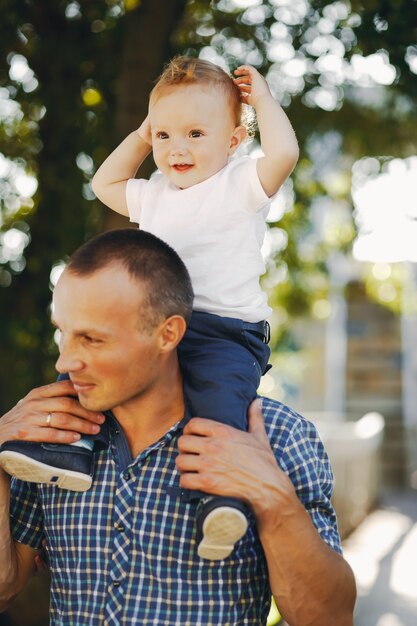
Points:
[196,133]
[91,340]
[162,135]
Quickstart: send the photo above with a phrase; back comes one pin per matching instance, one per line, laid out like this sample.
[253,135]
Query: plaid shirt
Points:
[124,552]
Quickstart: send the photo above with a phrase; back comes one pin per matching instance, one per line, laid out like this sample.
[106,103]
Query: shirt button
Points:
[116,583]
[119,527]
[126,475]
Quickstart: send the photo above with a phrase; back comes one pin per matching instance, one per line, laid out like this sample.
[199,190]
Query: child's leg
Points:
[222,361]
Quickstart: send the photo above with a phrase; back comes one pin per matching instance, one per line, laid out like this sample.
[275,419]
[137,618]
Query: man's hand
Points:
[222,460]
[51,415]
[252,85]
[311,583]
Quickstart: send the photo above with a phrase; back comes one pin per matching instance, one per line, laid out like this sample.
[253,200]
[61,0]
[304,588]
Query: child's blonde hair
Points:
[182,70]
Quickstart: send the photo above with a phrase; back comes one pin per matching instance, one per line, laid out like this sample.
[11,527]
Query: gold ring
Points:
[48,419]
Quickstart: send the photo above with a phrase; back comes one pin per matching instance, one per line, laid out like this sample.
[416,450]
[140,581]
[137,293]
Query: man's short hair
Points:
[147,259]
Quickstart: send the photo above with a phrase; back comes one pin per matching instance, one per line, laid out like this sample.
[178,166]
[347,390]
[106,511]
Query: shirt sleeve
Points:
[26,516]
[245,181]
[300,453]
[135,190]
[305,461]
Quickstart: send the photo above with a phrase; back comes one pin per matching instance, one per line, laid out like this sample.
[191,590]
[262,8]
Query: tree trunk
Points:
[147,46]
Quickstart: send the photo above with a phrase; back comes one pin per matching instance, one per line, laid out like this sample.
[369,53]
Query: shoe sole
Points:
[222,528]
[32,471]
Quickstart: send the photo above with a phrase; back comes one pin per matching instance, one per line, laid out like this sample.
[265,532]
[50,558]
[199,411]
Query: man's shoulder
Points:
[283,423]
[279,415]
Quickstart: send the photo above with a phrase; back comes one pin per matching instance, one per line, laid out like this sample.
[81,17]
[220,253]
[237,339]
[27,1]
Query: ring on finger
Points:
[49,419]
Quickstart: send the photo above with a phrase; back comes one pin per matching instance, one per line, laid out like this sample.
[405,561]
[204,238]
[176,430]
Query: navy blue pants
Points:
[222,360]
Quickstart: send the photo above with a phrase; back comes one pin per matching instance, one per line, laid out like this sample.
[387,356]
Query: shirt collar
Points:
[102,439]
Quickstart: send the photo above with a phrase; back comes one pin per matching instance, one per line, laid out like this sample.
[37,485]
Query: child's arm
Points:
[278,140]
[110,180]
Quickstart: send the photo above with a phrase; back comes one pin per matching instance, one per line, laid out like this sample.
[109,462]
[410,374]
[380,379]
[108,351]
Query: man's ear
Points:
[239,135]
[171,332]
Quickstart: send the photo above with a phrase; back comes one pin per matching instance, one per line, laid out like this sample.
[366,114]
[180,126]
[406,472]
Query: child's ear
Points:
[239,135]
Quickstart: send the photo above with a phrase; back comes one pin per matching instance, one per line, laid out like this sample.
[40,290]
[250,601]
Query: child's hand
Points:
[252,85]
[144,131]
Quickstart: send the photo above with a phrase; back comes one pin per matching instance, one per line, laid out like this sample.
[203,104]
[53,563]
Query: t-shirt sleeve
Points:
[305,461]
[26,515]
[135,191]
[245,181]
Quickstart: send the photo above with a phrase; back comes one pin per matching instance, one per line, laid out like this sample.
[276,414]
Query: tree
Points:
[62,130]
[74,79]
[89,67]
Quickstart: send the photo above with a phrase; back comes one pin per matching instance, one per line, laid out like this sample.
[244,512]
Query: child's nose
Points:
[178,148]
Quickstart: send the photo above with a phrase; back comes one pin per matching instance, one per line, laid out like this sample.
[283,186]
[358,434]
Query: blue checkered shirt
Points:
[124,552]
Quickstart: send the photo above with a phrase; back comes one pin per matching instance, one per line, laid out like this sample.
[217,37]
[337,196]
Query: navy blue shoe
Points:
[67,467]
[221,522]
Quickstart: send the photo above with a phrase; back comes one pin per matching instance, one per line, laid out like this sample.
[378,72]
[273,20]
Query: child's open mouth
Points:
[182,167]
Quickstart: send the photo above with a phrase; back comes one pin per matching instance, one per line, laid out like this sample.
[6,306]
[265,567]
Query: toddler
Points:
[211,209]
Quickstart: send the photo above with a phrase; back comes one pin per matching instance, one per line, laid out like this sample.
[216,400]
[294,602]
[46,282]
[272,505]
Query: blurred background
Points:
[341,248]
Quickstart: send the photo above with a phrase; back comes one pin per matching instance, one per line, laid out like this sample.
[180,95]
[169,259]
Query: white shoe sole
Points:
[32,471]
[222,528]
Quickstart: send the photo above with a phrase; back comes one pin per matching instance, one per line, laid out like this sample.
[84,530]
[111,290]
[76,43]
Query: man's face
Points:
[193,133]
[106,346]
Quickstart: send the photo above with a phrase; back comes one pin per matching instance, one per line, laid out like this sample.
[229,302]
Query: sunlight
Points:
[371,542]
[404,569]
[25,185]
[385,210]
[245,4]
[22,73]
[372,69]
[411,58]
[389,619]
[56,272]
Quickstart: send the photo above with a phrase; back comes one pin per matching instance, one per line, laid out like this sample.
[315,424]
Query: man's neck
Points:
[148,417]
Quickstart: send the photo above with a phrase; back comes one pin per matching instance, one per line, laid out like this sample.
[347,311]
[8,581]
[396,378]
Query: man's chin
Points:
[92,404]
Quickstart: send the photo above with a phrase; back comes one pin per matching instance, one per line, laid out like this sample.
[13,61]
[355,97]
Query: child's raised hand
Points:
[251,83]
[144,131]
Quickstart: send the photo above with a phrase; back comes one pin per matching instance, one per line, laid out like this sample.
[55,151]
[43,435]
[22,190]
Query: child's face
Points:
[193,133]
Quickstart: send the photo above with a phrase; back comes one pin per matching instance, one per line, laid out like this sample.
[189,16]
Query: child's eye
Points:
[161,135]
[196,133]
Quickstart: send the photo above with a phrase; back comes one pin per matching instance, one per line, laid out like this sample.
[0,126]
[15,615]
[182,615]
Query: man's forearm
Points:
[8,560]
[311,583]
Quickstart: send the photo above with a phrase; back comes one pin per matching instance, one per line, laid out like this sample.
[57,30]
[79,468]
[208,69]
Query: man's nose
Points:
[68,360]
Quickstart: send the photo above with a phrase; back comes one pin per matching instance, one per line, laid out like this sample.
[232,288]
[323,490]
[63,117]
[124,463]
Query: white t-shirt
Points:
[217,227]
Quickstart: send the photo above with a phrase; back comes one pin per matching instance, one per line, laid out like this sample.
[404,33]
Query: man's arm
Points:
[109,182]
[28,421]
[312,584]
[17,561]
[278,140]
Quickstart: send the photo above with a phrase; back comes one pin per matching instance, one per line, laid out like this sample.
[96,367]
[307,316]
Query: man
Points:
[124,551]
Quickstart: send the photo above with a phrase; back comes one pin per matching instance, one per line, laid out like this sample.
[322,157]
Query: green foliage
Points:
[89,70]
[52,129]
